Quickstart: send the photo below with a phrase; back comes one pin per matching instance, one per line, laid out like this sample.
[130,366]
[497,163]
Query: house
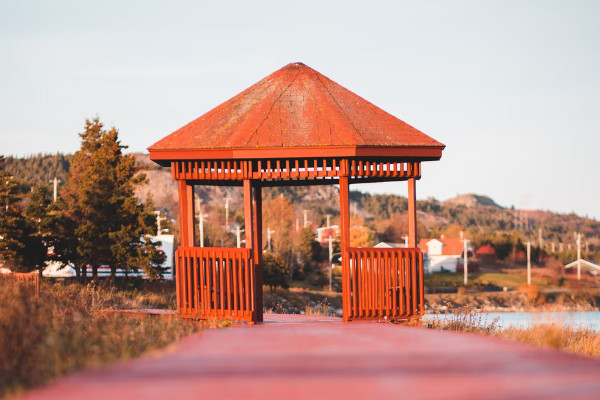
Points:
[443,254]
[486,253]
[391,245]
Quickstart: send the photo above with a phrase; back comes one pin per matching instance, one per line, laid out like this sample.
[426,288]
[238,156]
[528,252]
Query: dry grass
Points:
[552,334]
[64,331]
[573,340]
[320,308]
[463,319]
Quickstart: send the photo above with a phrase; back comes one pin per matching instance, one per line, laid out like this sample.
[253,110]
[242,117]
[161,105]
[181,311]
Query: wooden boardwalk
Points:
[298,357]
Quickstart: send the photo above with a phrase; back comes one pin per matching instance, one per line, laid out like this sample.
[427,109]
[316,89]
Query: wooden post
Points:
[345,242]
[186,213]
[412,213]
[258,247]
[248,230]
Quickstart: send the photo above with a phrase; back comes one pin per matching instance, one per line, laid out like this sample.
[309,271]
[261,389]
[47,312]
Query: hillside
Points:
[479,216]
[472,200]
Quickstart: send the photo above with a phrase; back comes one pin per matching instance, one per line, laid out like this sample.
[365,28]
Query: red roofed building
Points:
[486,253]
[443,254]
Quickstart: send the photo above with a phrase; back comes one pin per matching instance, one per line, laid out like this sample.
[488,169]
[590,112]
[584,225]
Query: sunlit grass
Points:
[551,333]
[65,331]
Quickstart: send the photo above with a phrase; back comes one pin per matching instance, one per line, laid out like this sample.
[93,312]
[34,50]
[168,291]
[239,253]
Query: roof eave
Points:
[424,153]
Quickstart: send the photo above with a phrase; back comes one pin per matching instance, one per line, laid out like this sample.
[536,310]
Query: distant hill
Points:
[38,168]
[472,200]
[471,212]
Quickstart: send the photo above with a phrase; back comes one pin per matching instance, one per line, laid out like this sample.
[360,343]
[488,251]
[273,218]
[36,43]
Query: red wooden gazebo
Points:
[295,127]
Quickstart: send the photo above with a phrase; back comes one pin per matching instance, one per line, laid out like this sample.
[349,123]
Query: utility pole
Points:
[405,237]
[466,261]
[55,182]
[528,263]
[540,239]
[202,228]
[269,232]
[227,212]
[578,256]
[330,263]
[305,218]
[238,234]
[328,220]
[201,217]
[158,219]
[297,225]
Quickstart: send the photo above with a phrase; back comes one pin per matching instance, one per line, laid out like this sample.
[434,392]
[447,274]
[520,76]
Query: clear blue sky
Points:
[511,87]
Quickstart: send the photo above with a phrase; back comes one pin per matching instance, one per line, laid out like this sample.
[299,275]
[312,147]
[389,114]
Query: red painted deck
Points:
[298,357]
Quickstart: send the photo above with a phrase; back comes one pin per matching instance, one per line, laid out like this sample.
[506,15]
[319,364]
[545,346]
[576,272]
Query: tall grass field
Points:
[67,329]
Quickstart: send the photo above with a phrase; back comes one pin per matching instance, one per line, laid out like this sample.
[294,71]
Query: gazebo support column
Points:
[345,240]
[249,233]
[186,213]
[257,232]
[412,214]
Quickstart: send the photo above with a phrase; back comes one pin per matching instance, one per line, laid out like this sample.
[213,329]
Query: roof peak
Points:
[296,107]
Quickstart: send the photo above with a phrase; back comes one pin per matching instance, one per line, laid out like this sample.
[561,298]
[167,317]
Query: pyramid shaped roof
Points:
[295,111]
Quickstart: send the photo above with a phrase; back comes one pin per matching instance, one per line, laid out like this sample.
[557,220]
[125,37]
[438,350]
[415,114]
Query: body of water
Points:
[579,319]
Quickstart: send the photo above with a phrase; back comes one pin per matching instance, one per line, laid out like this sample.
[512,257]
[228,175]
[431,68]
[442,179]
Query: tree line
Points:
[97,220]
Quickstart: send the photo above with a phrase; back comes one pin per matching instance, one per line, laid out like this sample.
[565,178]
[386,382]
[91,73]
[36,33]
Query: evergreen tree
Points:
[110,226]
[275,271]
[20,248]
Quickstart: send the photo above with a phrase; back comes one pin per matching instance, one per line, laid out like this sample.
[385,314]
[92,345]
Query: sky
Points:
[512,88]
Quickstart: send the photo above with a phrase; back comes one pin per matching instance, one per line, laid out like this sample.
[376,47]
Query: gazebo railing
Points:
[215,282]
[380,282]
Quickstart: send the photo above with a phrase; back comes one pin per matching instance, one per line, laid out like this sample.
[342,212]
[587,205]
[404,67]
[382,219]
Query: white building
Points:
[443,254]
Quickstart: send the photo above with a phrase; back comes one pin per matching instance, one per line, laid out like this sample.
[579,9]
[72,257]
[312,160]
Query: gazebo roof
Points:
[295,112]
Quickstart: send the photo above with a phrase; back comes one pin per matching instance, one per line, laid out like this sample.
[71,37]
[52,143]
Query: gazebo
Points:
[294,127]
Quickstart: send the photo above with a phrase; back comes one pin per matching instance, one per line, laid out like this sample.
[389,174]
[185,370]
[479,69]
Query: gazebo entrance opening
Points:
[295,127]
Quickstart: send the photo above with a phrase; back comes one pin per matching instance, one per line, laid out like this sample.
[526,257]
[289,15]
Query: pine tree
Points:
[110,226]
[19,246]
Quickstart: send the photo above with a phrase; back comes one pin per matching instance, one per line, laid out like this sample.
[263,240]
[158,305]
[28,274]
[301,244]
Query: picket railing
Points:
[28,280]
[215,283]
[382,282]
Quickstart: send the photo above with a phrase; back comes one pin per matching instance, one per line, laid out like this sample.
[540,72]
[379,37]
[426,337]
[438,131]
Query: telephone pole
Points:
[466,261]
[201,216]
[55,182]
[269,232]
[578,256]
[305,218]
[330,263]
[238,234]
[158,219]
[328,220]
[227,212]
[528,263]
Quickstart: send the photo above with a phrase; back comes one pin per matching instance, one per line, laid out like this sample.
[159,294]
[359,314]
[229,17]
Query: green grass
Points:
[509,280]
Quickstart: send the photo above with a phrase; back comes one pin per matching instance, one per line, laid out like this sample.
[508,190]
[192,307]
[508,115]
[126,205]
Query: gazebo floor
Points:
[303,357]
